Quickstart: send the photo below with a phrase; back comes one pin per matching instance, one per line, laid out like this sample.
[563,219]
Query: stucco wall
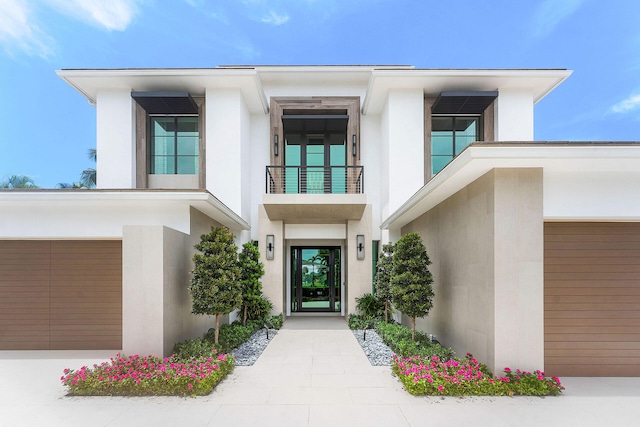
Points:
[458,235]
[227,132]
[115,136]
[486,243]
[513,115]
[592,195]
[405,156]
[156,303]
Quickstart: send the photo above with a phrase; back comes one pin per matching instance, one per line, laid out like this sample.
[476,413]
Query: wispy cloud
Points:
[627,105]
[110,15]
[273,18]
[20,32]
[21,28]
[550,13]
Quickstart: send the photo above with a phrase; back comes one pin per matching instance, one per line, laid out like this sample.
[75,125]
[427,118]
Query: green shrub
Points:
[195,348]
[357,322]
[410,280]
[215,284]
[259,308]
[368,306]
[275,322]
[398,338]
[251,270]
[230,336]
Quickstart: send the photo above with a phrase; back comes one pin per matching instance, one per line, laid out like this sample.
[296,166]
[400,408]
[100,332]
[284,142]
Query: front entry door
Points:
[315,279]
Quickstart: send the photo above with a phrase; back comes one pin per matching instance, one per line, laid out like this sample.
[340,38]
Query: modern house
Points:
[535,245]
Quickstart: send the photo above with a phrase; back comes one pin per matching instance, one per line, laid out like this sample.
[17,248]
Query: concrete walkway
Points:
[313,373]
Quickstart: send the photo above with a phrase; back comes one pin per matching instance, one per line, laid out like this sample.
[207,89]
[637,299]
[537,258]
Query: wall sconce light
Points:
[354,145]
[270,246]
[360,246]
[275,144]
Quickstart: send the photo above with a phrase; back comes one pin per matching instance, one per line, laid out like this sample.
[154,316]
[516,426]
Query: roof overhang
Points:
[201,200]
[195,81]
[537,82]
[480,158]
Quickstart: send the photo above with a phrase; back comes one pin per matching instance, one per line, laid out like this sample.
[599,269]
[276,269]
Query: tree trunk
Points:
[244,319]
[413,329]
[215,335]
[386,311]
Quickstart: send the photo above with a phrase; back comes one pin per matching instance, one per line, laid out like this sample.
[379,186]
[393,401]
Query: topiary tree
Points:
[411,279]
[215,287]
[383,277]
[251,270]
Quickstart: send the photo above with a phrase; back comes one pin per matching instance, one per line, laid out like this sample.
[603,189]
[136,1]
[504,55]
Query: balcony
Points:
[315,194]
[314,180]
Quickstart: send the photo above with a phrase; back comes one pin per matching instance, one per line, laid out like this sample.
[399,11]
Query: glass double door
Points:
[315,163]
[315,279]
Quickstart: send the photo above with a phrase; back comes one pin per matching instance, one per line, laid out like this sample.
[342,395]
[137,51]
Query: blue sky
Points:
[46,127]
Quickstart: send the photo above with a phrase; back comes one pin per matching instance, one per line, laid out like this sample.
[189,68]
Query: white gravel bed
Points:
[378,353]
[248,352]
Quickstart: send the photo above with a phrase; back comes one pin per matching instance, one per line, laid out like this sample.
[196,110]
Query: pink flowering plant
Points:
[149,376]
[468,377]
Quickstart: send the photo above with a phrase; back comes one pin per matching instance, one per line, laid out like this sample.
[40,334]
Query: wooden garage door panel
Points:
[101,262]
[60,295]
[24,294]
[592,299]
[589,321]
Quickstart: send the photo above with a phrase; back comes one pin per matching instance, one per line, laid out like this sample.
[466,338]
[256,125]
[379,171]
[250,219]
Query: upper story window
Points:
[315,146]
[315,154]
[174,145]
[449,136]
[457,119]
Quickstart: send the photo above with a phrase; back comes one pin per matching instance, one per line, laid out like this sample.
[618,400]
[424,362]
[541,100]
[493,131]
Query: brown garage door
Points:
[60,294]
[592,299]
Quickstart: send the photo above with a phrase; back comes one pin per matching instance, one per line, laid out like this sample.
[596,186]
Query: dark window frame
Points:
[176,156]
[479,136]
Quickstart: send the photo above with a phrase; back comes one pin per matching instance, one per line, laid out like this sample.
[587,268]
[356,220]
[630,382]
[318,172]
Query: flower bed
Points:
[149,376]
[467,377]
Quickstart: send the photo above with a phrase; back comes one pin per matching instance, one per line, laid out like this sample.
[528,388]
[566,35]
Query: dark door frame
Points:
[296,279]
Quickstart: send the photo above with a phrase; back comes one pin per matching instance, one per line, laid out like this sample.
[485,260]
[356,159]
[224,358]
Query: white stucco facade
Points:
[495,188]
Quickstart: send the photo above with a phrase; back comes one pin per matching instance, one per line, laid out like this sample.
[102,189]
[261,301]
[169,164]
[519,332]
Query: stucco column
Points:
[274,277]
[142,290]
[518,269]
[358,271]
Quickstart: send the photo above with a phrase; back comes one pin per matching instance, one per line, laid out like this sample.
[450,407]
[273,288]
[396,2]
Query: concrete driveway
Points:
[307,376]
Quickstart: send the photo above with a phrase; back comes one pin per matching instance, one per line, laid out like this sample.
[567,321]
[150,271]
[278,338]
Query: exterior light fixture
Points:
[360,246]
[354,145]
[270,246]
[275,144]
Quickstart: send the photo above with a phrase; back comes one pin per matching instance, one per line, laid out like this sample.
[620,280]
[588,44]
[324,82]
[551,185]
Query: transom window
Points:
[174,144]
[449,136]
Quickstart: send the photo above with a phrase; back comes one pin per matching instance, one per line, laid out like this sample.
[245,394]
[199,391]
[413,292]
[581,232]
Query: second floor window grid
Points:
[449,136]
[174,144]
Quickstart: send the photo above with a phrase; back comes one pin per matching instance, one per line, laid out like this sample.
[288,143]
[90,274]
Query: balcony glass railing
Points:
[315,179]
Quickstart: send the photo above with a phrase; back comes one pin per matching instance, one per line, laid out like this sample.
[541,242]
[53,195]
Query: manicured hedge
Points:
[149,376]
[467,377]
